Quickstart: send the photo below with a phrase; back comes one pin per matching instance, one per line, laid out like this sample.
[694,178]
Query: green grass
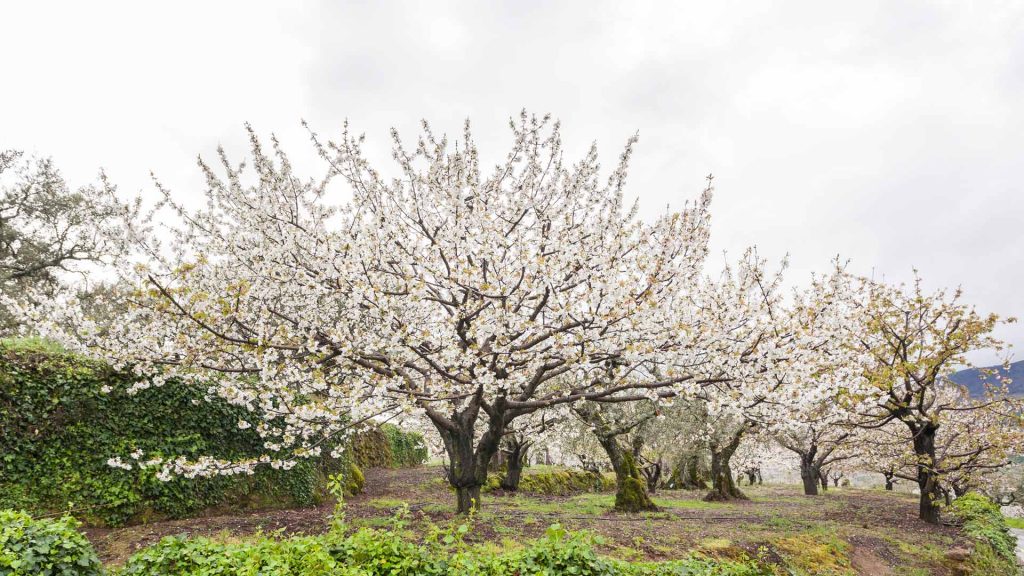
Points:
[817,551]
[386,503]
[1015,522]
[796,535]
[32,344]
[688,504]
[581,505]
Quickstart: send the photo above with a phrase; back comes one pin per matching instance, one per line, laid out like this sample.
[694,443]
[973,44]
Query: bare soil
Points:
[879,530]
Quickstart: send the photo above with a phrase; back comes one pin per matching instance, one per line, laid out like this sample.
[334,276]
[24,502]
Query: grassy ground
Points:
[844,531]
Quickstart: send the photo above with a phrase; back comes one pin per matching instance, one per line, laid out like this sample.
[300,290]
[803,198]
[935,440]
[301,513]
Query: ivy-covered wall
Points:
[58,428]
[388,446]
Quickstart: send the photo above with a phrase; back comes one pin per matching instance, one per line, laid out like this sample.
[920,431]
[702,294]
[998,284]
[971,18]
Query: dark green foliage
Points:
[370,552]
[200,557]
[993,544]
[44,547]
[370,449]
[407,448]
[388,446]
[57,430]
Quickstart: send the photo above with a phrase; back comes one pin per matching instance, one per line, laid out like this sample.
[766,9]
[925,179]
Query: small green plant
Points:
[42,547]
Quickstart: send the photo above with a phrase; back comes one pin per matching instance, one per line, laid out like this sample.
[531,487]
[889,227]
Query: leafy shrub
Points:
[58,428]
[302,555]
[561,553]
[44,547]
[994,546]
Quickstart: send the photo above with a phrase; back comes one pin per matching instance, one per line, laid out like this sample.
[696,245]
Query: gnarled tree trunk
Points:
[927,476]
[630,492]
[722,485]
[468,461]
[959,489]
[652,473]
[516,459]
[809,474]
[688,474]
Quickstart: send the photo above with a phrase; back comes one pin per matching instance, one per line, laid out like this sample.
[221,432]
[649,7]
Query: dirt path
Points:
[879,527]
[1019,535]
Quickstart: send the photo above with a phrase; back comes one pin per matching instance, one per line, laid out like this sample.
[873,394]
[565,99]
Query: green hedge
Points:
[370,552]
[58,428]
[44,547]
[994,546]
[408,449]
[388,446]
[556,482]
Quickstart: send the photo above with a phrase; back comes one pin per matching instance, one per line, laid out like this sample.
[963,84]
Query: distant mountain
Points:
[973,378]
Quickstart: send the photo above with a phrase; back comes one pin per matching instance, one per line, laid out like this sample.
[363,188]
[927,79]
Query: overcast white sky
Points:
[888,132]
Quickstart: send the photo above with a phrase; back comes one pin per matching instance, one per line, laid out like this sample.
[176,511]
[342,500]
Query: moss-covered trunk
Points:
[695,477]
[688,474]
[630,489]
[630,492]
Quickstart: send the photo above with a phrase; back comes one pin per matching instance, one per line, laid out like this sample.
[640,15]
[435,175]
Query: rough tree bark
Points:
[927,478]
[688,474]
[516,454]
[814,458]
[809,472]
[630,489]
[723,487]
[959,489]
[468,461]
[630,493]
[652,472]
